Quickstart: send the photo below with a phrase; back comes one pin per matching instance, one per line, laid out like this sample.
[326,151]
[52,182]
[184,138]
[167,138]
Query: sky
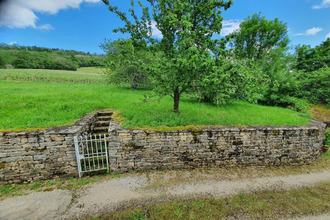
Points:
[83,24]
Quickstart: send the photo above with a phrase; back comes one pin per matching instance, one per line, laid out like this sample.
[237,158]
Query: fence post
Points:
[76,145]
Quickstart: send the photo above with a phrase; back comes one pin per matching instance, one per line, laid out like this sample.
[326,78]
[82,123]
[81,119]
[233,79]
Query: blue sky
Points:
[83,24]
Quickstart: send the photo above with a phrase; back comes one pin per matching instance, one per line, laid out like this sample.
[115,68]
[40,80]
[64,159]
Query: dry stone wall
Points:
[214,147]
[31,156]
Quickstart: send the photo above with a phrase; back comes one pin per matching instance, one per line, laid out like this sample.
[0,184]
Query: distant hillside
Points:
[26,57]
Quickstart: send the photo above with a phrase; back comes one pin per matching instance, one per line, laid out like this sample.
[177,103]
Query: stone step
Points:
[100,132]
[104,113]
[102,123]
[104,118]
[98,129]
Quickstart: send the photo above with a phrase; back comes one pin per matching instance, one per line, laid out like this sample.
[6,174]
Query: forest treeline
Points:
[33,57]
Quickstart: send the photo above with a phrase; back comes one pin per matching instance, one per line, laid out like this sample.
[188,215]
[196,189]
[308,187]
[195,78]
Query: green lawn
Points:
[32,105]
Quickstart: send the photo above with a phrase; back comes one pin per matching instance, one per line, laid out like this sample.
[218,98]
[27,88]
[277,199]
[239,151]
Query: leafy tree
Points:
[312,59]
[186,46]
[315,86]
[2,62]
[257,36]
[262,44]
[281,82]
[126,64]
[232,79]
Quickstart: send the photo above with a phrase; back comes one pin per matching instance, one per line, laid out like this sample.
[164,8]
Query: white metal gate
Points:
[91,153]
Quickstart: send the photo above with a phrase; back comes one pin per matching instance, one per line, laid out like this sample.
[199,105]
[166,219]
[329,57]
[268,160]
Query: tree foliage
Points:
[185,49]
[315,86]
[312,59]
[258,36]
[27,57]
[257,66]
[126,64]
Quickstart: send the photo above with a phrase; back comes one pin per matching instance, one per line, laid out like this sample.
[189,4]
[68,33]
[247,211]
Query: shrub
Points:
[327,138]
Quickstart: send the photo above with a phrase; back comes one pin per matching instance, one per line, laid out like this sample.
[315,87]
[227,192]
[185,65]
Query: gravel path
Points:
[133,191]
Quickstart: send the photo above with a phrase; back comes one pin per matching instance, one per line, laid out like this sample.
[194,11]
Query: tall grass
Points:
[31,105]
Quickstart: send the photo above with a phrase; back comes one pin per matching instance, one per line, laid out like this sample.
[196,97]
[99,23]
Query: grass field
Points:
[43,103]
[82,75]
[96,70]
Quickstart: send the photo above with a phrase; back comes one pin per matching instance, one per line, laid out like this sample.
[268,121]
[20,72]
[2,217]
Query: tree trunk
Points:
[176,100]
[133,86]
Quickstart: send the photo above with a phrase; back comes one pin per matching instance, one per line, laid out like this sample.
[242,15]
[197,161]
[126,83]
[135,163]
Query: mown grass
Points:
[266,205]
[32,105]
[82,75]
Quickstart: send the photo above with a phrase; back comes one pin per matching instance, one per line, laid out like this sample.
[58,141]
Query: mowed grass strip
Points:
[82,75]
[33,105]
[266,205]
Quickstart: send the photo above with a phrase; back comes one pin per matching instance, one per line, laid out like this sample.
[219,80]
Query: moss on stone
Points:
[276,133]
[213,145]
[191,128]
[116,117]
[2,165]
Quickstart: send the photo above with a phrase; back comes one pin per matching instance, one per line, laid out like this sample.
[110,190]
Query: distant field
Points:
[33,105]
[89,75]
[91,70]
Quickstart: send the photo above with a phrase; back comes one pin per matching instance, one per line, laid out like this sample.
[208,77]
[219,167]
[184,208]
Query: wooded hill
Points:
[33,57]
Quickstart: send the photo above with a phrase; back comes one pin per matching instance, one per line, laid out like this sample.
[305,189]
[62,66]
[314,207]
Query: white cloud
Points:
[46,27]
[328,36]
[229,26]
[21,13]
[12,43]
[155,31]
[310,32]
[313,31]
[324,4]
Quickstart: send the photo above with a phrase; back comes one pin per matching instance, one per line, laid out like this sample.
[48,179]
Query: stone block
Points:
[2,155]
[15,140]
[39,166]
[18,153]
[40,157]
[11,159]
[27,158]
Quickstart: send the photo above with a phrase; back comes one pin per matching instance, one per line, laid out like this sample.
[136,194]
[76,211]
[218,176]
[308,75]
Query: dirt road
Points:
[139,190]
